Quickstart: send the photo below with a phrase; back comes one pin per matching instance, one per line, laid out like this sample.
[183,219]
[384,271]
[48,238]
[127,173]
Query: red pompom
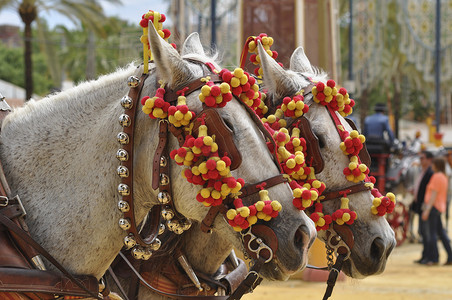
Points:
[143,100]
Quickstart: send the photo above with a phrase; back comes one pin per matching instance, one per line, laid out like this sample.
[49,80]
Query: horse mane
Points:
[52,103]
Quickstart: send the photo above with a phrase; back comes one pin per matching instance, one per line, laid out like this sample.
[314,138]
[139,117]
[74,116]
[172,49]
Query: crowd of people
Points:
[430,189]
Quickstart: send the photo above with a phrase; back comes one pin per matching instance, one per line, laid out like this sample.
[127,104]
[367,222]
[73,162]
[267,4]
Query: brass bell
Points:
[123,138]
[124,224]
[155,245]
[172,225]
[123,189]
[133,81]
[123,206]
[124,120]
[122,171]
[167,214]
[129,241]
[186,224]
[164,197]
[164,179]
[122,155]
[161,228]
[179,230]
[141,253]
[126,102]
[163,161]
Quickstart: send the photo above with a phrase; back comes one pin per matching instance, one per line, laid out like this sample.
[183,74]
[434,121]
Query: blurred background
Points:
[398,52]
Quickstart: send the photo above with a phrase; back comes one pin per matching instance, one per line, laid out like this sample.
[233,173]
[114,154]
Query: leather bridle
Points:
[255,239]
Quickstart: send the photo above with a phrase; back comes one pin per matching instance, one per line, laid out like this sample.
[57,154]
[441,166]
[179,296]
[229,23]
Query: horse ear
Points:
[192,45]
[170,65]
[278,81]
[299,61]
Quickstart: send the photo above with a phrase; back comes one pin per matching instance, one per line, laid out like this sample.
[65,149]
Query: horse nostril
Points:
[378,249]
[302,237]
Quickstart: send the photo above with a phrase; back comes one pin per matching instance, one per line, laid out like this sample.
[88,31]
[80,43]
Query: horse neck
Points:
[59,156]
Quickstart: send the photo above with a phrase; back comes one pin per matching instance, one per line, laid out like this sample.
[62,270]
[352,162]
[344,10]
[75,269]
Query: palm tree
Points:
[87,11]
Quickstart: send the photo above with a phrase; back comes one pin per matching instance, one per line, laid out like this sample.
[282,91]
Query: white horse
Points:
[59,156]
[373,237]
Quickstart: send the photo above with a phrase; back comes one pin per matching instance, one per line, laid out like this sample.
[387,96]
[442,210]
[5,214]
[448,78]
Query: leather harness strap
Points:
[360,187]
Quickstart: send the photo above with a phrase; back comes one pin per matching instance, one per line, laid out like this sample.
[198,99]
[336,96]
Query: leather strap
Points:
[332,277]
[314,156]
[254,188]
[23,235]
[251,281]
[117,283]
[173,296]
[360,187]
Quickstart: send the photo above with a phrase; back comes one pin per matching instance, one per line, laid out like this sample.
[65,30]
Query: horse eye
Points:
[321,139]
[229,125]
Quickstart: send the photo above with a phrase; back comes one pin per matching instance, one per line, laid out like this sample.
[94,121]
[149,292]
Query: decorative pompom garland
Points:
[322,222]
[215,96]
[356,171]
[157,20]
[344,215]
[243,86]
[294,107]
[180,115]
[383,205]
[266,42]
[244,216]
[338,100]
[156,107]
[352,143]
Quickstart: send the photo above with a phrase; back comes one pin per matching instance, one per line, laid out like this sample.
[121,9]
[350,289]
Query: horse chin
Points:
[276,271]
[358,269]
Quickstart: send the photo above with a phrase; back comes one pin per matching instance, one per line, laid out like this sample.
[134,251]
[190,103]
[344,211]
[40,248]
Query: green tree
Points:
[13,64]
[87,11]
[79,50]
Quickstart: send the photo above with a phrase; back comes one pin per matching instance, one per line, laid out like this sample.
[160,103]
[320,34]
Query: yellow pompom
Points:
[252,220]
[376,202]
[276,206]
[205,193]
[238,72]
[205,90]
[259,205]
[243,211]
[231,214]
[235,82]
[225,88]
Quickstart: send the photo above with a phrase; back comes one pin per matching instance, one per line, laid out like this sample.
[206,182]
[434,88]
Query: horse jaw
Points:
[299,61]
[192,45]
[170,66]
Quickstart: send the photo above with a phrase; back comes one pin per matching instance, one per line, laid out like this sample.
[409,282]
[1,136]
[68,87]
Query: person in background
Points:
[416,144]
[434,205]
[376,127]
[420,186]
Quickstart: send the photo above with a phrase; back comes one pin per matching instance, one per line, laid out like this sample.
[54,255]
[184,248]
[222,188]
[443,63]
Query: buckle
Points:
[4,201]
[21,206]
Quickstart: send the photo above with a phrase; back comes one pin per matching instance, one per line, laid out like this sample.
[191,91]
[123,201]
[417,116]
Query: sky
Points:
[131,10]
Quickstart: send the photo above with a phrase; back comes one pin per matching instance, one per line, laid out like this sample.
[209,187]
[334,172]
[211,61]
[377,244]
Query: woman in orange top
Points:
[434,205]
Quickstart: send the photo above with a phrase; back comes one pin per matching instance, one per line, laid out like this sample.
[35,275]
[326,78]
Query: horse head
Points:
[292,231]
[370,239]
